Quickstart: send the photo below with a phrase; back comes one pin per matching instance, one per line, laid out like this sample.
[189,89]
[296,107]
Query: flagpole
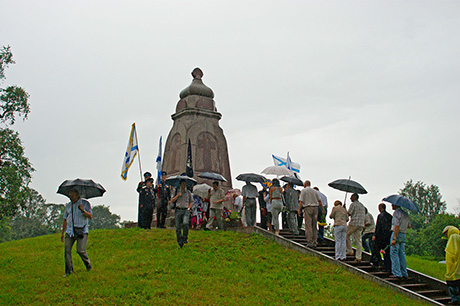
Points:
[138,152]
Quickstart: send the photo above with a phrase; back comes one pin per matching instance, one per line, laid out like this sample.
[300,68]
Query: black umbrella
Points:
[348,185]
[212,176]
[175,181]
[87,188]
[251,177]
[399,200]
[292,179]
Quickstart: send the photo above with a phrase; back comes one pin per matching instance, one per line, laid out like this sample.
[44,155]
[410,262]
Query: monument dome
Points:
[197,87]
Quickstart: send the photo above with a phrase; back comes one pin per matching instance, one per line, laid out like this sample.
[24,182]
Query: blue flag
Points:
[159,165]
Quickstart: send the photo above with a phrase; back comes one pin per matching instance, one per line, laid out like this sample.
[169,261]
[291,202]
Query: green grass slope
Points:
[146,267]
[429,267]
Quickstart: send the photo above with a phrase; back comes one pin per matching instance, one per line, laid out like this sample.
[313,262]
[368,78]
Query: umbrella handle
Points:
[346,193]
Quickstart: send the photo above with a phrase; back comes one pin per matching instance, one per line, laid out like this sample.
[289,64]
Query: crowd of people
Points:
[307,206]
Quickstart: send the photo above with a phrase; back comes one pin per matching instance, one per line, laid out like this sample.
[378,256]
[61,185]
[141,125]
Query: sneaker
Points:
[88,268]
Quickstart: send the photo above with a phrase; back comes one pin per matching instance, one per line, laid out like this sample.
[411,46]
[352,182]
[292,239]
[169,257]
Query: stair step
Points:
[379,273]
[364,267]
[409,286]
[397,280]
[429,292]
[442,299]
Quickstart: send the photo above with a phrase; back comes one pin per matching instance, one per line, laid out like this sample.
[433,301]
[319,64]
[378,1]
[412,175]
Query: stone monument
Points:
[196,118]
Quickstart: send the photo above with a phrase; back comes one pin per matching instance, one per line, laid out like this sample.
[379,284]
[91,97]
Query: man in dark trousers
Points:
[164,196]
[146,202]
[77,213]
[381,238]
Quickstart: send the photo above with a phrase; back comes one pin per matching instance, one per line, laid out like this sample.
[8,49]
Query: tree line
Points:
[424,237]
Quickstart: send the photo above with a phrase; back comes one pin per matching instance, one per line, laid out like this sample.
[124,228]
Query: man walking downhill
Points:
[75,228]
[357,212]
[184,201]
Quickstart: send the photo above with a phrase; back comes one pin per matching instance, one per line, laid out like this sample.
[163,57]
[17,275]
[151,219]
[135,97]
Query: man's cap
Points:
[147,174]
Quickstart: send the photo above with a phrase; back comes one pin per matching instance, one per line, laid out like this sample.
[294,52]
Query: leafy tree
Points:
[428,200]
[15,173]
[53,216]
[14,99]
[425,236]
[30,221]
[15,168]
[429,241]
[103,218]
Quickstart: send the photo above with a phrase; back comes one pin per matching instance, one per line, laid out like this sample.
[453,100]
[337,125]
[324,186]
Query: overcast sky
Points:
[367,89]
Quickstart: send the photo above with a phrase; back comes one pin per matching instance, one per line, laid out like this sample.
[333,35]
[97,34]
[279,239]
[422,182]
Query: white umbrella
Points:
[277,170]
[201,190]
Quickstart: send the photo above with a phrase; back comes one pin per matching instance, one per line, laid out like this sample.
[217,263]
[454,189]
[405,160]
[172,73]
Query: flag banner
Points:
[279,161]
[288,162]
[131,152]
[159,165]
[189,165]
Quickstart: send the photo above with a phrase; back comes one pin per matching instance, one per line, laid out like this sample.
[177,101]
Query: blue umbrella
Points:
[399,200]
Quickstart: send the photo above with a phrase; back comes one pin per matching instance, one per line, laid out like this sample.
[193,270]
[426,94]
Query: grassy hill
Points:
[134,267]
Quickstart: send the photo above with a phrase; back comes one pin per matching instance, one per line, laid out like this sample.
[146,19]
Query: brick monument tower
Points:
[196,118]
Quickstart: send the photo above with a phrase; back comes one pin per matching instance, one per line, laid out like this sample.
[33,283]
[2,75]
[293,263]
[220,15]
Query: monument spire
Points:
[196,118]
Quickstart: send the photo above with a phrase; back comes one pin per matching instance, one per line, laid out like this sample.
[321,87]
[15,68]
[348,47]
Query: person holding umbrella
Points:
[75,228]
[183,200]
[357,212]
[399,225]
[276,201]
[249,193]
